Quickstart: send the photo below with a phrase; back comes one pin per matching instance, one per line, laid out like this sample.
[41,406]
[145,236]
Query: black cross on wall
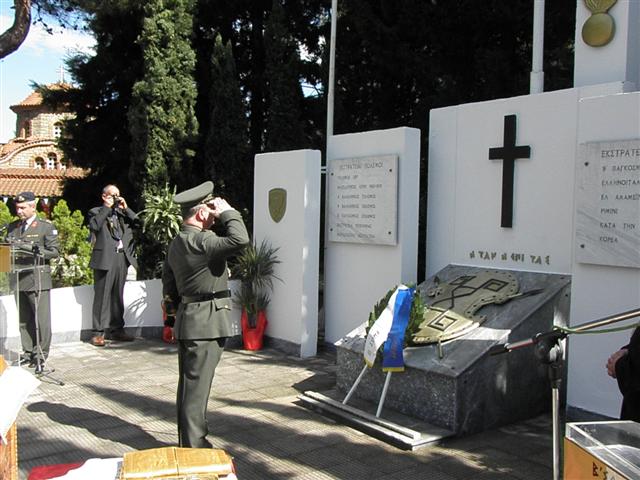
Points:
[508,153]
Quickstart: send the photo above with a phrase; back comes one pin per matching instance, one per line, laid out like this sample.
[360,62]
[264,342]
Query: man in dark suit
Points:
[35,243]
[624,366]
[194,278]
[111,227]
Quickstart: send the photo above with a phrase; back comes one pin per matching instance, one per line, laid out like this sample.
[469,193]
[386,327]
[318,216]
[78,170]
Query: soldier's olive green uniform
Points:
[34,283]
[195,274]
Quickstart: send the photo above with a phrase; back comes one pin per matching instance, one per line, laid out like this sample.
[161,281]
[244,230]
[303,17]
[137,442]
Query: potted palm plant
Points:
[161,223]
[255,268]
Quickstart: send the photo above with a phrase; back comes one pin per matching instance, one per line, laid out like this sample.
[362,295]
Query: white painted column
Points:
[293,312]
[537,68]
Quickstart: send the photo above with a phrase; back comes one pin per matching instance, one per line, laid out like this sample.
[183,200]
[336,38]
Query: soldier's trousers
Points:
[197,362]
[27,321]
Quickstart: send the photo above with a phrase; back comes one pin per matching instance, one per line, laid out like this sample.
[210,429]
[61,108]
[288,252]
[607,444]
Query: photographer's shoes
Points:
[117,336]
[120,336]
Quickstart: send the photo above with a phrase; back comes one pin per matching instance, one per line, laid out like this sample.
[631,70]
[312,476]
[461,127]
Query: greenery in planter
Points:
[255,268]
[161,223]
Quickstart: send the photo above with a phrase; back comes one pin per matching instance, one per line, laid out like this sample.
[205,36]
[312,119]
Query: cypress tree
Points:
[227,159]
[162,120]
[284,124]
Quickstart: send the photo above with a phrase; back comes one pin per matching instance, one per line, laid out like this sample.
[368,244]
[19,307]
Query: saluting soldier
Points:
[35,241]
[195,278]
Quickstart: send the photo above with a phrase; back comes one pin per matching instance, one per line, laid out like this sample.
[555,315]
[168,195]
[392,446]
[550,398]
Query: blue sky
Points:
[38,59]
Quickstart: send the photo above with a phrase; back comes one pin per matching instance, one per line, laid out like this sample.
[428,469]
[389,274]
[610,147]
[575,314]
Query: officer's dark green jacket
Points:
[196,264]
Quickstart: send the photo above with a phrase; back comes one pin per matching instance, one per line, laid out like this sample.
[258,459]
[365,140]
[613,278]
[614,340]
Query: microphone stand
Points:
[548,350]
[40,369]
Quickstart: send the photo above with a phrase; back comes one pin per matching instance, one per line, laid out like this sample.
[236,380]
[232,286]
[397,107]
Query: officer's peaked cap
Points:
[25,197]
[194,196]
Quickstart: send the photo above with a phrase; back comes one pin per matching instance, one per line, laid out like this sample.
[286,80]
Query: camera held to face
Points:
[116,200]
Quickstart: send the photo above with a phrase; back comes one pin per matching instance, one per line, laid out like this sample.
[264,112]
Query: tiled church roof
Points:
[44,183]
[35,98]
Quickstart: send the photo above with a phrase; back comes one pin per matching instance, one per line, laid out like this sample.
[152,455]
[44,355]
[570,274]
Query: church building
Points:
[32,161]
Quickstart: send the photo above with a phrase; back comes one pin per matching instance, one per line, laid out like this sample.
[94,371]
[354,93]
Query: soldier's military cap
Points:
[194,196]
[25,197]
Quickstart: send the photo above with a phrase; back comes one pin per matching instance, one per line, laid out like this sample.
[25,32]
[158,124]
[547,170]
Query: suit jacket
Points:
[195,265]
[105,236]
[628,377]
[41,235]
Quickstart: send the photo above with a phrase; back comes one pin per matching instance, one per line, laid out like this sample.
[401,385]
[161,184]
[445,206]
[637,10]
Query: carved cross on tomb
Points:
[508,153]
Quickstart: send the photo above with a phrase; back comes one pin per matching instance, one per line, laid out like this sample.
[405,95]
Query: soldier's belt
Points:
[205,297]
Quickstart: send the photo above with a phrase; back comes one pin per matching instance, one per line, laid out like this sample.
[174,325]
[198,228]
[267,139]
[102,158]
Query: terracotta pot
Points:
[252,336]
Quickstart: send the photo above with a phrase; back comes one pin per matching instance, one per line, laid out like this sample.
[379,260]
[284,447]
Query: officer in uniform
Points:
[35,242]
[194,279]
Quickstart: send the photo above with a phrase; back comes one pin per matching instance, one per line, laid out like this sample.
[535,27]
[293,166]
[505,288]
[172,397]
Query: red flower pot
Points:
[252,336]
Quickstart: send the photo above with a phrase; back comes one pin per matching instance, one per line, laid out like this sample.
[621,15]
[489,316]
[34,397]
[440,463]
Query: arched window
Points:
[57,130]
[38,163]
[62,165]
[52,159]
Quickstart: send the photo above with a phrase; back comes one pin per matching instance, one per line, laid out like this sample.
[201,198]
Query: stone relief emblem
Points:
[277,203]
[599,28]
[451,307]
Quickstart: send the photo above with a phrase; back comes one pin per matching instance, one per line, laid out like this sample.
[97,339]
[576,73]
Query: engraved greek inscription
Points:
[609,211]
[608,239]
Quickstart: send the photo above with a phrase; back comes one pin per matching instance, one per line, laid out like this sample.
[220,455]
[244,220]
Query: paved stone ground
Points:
[122,398]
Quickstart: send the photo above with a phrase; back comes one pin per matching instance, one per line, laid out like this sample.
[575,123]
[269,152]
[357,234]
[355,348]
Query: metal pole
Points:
[332,69]
[383,395]
[555,406]
[355,385]
[537,72]
[608,320]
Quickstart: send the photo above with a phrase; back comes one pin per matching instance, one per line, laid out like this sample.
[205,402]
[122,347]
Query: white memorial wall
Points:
[566,216]
[599,290]
[360,269]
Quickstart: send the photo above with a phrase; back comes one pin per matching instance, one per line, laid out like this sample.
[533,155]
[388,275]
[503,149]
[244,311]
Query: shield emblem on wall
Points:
[277,203]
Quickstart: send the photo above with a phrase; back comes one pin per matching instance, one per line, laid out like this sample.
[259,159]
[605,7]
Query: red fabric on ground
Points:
[46,472]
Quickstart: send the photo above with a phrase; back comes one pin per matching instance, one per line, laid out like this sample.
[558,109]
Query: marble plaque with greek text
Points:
[362,200]
[608,203]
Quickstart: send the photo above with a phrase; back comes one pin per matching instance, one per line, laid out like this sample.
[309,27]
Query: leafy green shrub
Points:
[71,268]
[5,218]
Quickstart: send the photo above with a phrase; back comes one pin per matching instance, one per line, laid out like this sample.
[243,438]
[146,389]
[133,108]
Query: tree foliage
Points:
[71,267]
[226,149]
[284,121]
[98,136]
[162,121]
[237,67]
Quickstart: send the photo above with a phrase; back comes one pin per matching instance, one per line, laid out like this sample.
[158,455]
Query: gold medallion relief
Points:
[599,28]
